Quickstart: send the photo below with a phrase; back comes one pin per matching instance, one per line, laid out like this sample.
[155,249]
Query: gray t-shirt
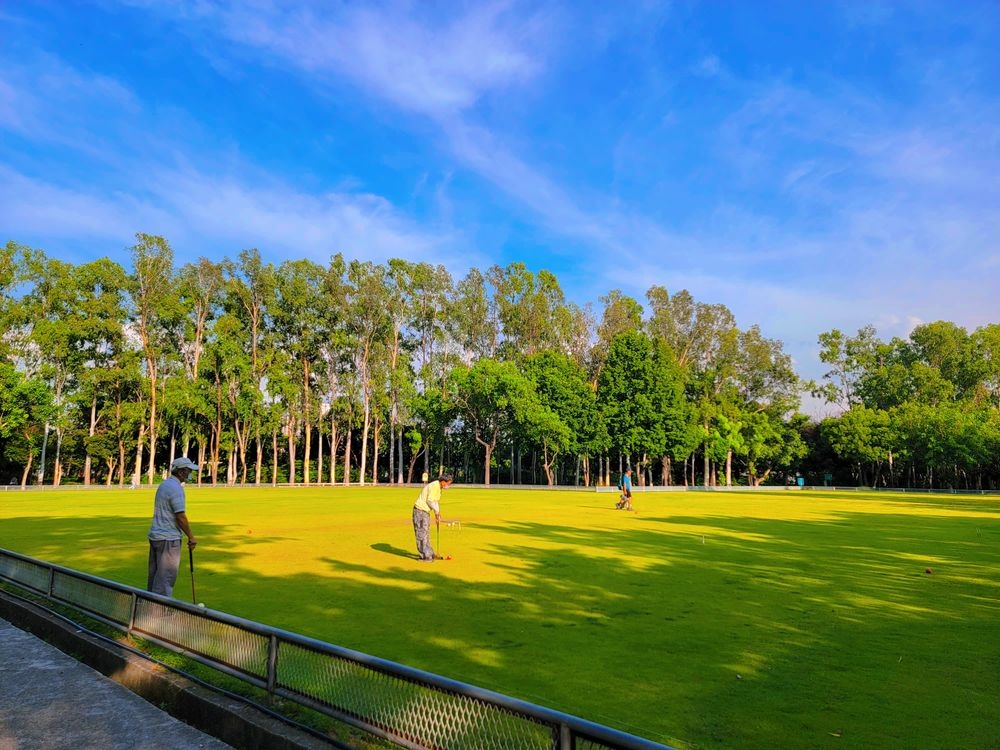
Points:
[169,501]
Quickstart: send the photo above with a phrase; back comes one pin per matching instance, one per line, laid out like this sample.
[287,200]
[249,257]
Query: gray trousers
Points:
[422,531]
[164,560]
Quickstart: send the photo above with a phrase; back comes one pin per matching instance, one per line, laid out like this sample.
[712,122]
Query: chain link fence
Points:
[408,707]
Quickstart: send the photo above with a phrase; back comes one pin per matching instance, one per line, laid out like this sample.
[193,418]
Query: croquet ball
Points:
[928,571]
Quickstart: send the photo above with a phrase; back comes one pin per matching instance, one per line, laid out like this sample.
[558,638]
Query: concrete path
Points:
[50,701]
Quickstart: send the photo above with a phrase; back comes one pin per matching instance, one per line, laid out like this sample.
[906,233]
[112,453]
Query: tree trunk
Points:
[333,448]
[274,456]
[87,462]
[399,464]
[27,470]
[260,460]
[707,477]
[376,426]
[319,452]
[201,458]
[347,456]
[292,478]
[137,472]
[364,440]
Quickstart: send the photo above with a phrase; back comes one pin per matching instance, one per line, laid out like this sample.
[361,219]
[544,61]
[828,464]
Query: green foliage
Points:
[242,362]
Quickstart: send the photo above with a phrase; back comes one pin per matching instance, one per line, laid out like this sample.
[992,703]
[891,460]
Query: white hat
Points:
[182,463]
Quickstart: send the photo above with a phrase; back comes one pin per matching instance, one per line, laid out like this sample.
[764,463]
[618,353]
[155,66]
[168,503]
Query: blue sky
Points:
[809,165]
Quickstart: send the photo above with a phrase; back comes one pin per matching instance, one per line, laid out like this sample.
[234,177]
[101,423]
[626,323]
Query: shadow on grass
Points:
[391,550]
[699,631]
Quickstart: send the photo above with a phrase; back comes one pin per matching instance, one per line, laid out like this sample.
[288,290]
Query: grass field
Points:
[706,620]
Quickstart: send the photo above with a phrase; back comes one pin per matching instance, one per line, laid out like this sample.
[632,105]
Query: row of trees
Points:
[924,411]
[365,372]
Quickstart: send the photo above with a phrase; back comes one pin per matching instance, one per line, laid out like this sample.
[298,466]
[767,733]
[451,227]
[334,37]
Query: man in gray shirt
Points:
[169,520]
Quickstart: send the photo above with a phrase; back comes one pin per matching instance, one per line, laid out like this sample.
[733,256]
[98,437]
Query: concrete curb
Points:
[230,720]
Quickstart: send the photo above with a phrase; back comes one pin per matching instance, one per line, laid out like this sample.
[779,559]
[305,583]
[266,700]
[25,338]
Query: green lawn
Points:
[707,620]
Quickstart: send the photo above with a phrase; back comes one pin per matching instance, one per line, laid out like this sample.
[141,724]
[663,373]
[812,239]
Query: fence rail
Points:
[406,706]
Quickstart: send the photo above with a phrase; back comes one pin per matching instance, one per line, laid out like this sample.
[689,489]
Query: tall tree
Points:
[99,340]
[250,294]
[369,324]
[155,314]
[299,328]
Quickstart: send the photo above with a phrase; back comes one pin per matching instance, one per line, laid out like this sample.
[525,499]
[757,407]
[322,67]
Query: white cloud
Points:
[46,100]
[208,215]
[280,218]
[33,207]
[436,67]
[709,66]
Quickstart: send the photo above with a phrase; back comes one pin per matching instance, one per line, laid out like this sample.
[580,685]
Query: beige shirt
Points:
[430,498]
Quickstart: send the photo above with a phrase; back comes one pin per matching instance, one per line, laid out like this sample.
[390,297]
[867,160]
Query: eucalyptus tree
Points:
[580,331]
[712,350]
[299,326]
[251,286]
[99,339]
[621,314]
[679,321]
[155,315]
[49,313]
[767,389]
[473,319]
[401,298]
[532,310]
[237,399]
[431,315]
[335,362]
[368,324]
[848,357]
[200,287]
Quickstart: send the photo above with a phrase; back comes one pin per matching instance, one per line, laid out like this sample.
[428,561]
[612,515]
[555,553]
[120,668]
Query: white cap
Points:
[183,463]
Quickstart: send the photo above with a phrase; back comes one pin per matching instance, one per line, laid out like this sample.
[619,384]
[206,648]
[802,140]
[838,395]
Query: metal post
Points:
[131,614]
[272,663]
[565,738]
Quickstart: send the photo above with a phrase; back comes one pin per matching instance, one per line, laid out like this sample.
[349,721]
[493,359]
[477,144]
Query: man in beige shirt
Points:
[428,502]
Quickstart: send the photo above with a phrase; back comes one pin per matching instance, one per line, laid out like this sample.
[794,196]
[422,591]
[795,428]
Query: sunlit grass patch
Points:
[820,602]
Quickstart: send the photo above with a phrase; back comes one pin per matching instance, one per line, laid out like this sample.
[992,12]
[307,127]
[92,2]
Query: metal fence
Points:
[409,707]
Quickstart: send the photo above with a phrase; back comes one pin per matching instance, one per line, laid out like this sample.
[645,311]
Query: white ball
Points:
[201,604]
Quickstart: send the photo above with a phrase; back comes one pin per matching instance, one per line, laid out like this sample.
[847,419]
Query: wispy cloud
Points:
[48,101]
[119,169]
[33,207]
[207,214]
[433,66]
[283,219]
